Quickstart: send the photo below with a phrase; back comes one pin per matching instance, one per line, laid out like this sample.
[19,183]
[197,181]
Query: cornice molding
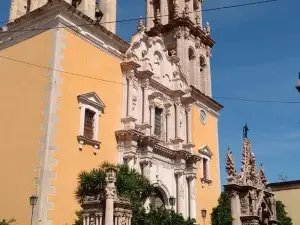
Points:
[206,100]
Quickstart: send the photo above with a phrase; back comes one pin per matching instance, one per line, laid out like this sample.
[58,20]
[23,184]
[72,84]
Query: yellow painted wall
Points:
[82,58]
[23,91]
[290,198]
[206,195]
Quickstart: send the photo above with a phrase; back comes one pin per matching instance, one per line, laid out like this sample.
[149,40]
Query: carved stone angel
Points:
[230,166]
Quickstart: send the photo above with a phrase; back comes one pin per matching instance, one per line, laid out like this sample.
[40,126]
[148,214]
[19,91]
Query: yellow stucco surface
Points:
[207,134]
[23,92]
[82,58]
[290,198]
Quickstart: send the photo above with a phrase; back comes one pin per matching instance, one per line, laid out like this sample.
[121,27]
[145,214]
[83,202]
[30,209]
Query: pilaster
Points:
[181,208]
[192,196]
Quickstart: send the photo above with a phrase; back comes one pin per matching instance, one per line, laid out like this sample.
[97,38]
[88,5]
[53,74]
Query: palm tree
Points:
[132,185]
[7,222]
[129,183]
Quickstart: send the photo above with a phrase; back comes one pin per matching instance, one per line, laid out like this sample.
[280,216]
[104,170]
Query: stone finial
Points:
[230,166]
[207,28]
[262,175]
[140,25]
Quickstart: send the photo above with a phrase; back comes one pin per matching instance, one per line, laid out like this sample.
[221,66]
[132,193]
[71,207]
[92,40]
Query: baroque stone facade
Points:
[168,59]
[252,201]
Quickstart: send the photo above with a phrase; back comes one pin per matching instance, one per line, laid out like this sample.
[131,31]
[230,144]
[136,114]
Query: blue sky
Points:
[256,56]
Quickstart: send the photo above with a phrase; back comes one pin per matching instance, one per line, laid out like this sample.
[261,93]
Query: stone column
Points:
[152,116]
[129,96]
[235,207]
[178,36]
[189,123]
[108,7]
[145,85]
[181,193]
[13,10]
[192,197]
[191,10]
[149,14]
[198,13]
[169,122]
[178,129]
[164,11]
[208,75]
[110,194]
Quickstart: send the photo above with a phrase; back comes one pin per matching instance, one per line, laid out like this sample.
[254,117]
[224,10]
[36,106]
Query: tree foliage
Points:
[132,185]
[221,215]
[282,215]
[7,222]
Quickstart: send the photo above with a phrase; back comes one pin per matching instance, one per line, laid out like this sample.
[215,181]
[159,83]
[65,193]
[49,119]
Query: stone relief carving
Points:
[181,192]
[193,195]
[244,204]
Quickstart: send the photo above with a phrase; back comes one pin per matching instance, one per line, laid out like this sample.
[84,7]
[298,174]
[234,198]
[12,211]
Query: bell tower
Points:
[90,8]
[179,23]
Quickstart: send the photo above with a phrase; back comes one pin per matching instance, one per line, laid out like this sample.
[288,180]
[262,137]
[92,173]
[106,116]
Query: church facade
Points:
[86,96]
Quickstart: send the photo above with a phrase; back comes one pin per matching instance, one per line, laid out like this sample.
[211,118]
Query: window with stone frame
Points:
[91,108]
[158,122]
[89,120]
[206,154]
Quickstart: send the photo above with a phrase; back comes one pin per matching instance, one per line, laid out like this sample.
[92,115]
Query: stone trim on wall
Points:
[47,162]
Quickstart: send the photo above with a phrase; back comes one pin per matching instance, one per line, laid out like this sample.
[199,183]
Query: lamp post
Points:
[33,201]
[203,214]
[172,202]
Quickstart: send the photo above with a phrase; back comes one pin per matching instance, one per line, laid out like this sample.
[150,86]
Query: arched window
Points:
[171,9]
[157,201]
[202,63]
[191,64]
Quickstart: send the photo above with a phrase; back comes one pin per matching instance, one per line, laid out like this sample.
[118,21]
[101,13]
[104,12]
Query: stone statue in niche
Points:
[156,66]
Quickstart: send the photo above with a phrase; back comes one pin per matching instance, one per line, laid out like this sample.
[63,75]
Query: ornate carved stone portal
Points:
[252,202]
